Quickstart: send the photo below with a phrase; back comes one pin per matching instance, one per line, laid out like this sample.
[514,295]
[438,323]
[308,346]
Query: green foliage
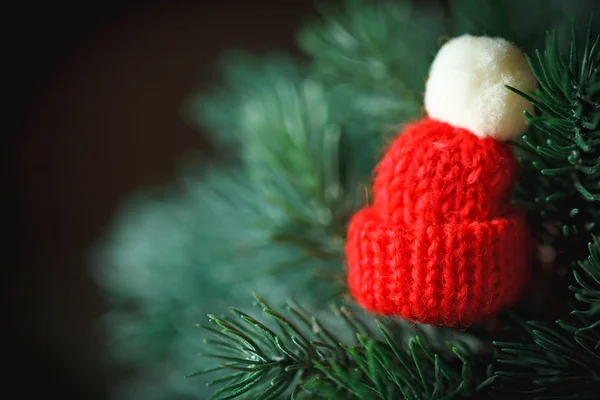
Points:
[557,362]
[568,132]
[524,22]
[302,358]
[180,252]
[245,79]
[561,152]
[587,289]
[382,79]
[560,360]
[292,145]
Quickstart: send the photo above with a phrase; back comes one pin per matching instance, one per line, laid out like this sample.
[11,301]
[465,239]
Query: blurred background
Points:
[94,108]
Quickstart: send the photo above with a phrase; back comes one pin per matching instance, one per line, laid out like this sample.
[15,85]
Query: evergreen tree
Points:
[302,137]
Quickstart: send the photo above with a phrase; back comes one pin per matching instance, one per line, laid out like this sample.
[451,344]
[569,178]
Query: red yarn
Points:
[441,243]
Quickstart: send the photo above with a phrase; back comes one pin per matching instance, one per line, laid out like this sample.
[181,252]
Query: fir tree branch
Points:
[285,129]
[587,289]
[560,360]
[560,153]
[365,51]
[569,118]
[296,355]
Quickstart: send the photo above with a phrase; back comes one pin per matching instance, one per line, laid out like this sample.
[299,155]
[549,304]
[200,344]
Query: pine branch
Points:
[560,360]
[298,356]
[184,250]
[286,130]
[587,289]
[569,104]
[366,51]
[561,152]
[243,78]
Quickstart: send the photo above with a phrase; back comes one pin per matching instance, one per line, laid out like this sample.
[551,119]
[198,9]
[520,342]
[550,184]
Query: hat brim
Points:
[449,274]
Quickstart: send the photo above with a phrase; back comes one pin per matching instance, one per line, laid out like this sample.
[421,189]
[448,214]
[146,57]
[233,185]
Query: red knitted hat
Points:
[441,243]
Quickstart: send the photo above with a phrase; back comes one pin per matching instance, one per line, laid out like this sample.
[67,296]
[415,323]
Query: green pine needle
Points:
[295,355]
[365,52]
[560,153]
[286,131]
[587,289]
[562,359]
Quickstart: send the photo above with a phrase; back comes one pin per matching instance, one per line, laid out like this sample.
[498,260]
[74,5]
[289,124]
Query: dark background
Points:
[94,92]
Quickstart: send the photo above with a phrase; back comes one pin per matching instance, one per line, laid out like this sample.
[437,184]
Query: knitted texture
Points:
[441,244]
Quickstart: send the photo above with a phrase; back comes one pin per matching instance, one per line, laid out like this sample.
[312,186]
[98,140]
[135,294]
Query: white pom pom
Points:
[466,86]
